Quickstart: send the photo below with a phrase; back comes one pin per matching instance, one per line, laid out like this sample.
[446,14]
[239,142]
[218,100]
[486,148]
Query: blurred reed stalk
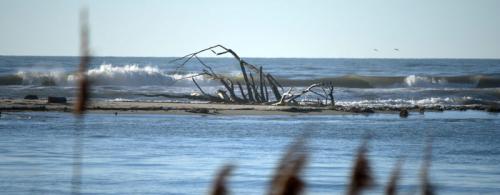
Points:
[219,187]
[80,104]
[83,82]
[391,188]
[361,176]
[287,180]
[426,186]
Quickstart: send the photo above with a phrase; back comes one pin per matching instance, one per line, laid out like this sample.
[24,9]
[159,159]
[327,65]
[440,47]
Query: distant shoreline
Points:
[22,105]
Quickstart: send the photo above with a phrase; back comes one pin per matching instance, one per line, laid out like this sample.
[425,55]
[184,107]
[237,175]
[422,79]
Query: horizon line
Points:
[113,56]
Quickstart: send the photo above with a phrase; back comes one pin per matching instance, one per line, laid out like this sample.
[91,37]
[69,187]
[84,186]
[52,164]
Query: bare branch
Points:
[201,90]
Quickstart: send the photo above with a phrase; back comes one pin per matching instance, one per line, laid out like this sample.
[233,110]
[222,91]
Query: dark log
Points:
[201,90]
[275,81]
[249,90]
[31,97]
[262,97]
[256,93]
[267,93]
[230,88]
[57,100]
[242,92]
[274,88]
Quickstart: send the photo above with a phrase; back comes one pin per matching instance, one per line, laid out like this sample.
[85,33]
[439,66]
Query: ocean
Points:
[363,82]
[133,153]
[180,154]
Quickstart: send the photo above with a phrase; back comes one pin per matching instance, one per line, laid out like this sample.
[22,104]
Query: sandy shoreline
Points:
[206,108]
[160,108]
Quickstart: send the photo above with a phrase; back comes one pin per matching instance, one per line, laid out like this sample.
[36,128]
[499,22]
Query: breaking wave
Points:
[106,74]
[135,75]
[128,75]
[357,81]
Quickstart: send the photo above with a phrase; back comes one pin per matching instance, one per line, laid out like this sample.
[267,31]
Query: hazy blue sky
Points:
[258,28]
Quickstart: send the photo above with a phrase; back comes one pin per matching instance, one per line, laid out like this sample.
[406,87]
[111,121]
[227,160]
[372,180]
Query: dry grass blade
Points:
[392,185]
[361,173]
[286,180]
[83,82]
[219,187]
[426,188]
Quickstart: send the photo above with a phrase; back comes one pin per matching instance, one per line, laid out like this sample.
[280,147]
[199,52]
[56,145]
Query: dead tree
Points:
[253,89]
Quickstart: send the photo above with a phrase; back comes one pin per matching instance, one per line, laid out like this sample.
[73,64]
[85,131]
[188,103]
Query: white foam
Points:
[54,77]
[423,81]
[425,102]
[129,75]
[107,74]
[119,100]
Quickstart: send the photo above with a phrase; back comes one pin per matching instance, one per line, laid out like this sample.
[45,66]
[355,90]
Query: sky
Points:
[258,28]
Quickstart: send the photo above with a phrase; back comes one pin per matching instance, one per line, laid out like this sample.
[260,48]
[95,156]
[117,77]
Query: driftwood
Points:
[254,87]
[327,90]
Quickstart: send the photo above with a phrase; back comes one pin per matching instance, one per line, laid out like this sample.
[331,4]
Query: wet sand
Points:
[205,108]
[161,107]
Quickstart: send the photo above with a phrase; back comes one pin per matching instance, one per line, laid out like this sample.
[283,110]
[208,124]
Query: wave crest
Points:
[130,75]
[423,81]
[105,74]
[50,78]
[135,75]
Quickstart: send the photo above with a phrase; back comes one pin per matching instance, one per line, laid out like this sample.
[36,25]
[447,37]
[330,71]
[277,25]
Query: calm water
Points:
[175,154]
[367,82]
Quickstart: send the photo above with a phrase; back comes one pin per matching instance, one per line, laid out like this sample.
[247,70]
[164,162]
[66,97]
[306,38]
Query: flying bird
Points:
[396,49]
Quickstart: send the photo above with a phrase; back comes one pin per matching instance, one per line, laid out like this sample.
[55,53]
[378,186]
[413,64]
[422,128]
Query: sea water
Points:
[181,154]
[364,82]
